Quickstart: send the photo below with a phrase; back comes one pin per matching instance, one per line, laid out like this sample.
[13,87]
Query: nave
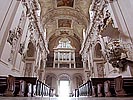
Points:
[86,43]
[67,98]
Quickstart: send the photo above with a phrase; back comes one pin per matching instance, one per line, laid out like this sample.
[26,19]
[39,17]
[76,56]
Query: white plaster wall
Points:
[5,13]
[6,67]
[127,11]
[124,15]
[17,16]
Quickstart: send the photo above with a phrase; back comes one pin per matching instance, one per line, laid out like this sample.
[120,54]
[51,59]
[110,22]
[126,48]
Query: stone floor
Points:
[80,98]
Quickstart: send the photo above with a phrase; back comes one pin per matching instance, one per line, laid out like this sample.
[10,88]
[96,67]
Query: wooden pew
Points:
[96,81]
[126,88]
[42,89]
[128,85]
[113,87]
[85,89]
[3,85]
[28,84]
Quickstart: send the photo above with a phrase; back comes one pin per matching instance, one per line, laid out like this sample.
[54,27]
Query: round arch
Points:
[64,76]
[31,50]
[77,80]
[98,51]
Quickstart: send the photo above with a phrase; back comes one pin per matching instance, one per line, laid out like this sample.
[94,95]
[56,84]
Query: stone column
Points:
[69,59]
[58,59]
[54,59]
[74,59]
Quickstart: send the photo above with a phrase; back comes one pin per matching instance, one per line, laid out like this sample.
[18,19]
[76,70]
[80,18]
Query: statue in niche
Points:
[18,32]
[13,49]
[14,35]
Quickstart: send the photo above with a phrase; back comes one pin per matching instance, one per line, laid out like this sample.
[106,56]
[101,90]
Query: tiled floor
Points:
[52,98]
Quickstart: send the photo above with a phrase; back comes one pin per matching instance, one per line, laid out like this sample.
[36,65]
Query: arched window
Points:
[64,43]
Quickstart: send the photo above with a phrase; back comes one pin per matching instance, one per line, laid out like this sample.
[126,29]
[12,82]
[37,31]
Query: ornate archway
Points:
[98,61]
[29,60]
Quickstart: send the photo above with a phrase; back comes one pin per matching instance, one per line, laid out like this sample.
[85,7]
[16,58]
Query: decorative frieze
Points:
[14,35]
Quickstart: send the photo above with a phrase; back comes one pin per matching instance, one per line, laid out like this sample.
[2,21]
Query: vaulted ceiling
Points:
[65,18]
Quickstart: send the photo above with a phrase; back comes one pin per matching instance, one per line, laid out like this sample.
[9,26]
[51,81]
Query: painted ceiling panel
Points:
[65,18]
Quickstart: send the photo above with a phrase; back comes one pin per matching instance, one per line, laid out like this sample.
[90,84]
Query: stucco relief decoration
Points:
[116,54]
[13,37]
[27,9]
[64,23]
[21,48]
[104,21]
[68,3]
[64,33]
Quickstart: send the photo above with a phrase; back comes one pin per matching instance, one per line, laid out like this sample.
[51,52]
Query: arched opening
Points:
[30,58]
[31,50]
[51,80]
[98,61]
[64,85]
[77,80]
[98,51]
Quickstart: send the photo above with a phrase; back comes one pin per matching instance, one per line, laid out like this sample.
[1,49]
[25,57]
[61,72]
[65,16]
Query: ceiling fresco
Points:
[65,18]
[64,23]
[68,3]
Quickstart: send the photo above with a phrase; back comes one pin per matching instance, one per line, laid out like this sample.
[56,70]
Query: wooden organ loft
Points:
[64,55]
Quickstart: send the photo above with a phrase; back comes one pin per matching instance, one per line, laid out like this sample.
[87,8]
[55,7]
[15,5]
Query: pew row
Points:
[106,87]
[22,86]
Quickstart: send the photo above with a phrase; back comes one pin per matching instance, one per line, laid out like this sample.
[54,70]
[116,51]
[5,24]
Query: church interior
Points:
[68,49]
